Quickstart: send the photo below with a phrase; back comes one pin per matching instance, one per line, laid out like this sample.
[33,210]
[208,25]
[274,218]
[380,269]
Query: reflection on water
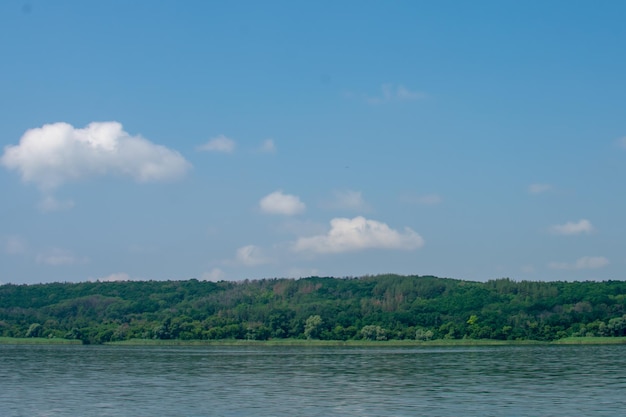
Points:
[288,381]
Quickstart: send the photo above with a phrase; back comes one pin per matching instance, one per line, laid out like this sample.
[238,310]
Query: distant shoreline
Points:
[324,343]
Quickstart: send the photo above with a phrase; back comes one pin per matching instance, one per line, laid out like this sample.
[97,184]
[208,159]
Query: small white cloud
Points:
[49,203]
[56,153]
[359,233]
[539,188]
[14,245]
[391,92]
[348,200]
[586,262]
[115,277]
[218,144]
[302,272]
[250,256]
[529,269]
[213,275]
[59,257]
[119,276]
[280,203]
[621,142]
[268,146]
[571,228]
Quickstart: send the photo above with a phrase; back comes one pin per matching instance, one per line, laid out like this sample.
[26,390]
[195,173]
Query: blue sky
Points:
[234,140]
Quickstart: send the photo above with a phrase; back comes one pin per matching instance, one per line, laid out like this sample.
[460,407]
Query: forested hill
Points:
[372,307]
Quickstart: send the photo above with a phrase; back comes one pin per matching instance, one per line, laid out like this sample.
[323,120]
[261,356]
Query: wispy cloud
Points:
[57,153]
[268,146]
[586,262]
[391,93]
[621,142]
[347,200]
[359,233]
[280,203]
[50,203]
[60,257]
[14,245]
[218,144]
[251,255]
[539,188]
[572,228]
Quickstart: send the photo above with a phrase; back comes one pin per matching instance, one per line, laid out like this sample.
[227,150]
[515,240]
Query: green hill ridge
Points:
[382,307]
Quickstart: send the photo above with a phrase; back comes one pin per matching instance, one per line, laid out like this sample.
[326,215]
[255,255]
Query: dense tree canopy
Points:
[372,307]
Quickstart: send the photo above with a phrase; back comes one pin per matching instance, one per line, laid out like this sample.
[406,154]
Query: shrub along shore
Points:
[316,311]
[322,343]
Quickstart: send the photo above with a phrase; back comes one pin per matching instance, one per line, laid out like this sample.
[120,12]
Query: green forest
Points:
[382,307]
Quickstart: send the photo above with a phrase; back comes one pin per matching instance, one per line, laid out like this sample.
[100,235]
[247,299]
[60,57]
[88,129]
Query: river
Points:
[121,381]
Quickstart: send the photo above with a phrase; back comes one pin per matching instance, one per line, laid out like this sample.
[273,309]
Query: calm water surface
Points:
[297,381]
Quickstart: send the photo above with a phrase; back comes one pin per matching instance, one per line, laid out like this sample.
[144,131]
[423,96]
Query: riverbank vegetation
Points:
[371,308]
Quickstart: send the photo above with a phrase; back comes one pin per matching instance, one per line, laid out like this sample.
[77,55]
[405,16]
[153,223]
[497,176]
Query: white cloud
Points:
[59,257]
[214,275]
[391,92]
[57,153]
[571,228]
[622,142]
[14,245]
[359,233]
[279,203]
[586,262]
[115,277]
[219,144]
[539,188]
[119,276]
[250,256]
[268,146]
[348,200]
[49,203]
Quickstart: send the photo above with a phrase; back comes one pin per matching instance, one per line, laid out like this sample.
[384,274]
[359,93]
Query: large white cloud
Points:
[57,153]
[571,228]
[280,203]
[359,233]
[586,262]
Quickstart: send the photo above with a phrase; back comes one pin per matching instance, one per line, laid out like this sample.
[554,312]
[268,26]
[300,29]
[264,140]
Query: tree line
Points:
[382,307]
